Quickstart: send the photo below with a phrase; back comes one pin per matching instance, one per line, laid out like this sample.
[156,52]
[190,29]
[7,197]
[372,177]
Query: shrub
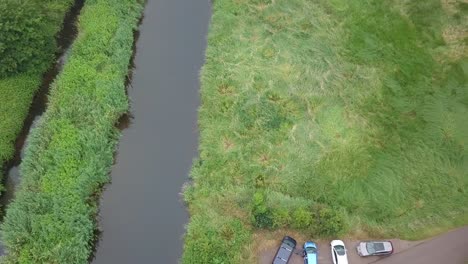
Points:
[301,218]
[261,213]
[281,217]
[329,222]
[27,42]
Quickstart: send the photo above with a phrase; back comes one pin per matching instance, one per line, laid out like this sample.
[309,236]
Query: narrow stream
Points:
[12,172]
[142,217]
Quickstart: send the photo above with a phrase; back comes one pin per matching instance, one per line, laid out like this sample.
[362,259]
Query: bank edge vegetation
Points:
[27,48]
[330,117]
[52,219]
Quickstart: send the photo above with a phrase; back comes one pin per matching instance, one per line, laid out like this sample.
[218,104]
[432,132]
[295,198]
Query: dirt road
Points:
[449,248]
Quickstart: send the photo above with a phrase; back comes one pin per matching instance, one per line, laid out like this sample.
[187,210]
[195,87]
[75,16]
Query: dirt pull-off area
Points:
[449,248]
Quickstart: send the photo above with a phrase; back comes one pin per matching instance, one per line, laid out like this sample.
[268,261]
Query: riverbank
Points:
[18,90]
[52,219]
[141,216]
[330,118]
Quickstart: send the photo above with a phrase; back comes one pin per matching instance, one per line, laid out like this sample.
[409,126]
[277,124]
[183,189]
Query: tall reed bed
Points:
[52,219]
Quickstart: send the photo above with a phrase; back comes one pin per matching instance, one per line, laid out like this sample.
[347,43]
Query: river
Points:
[142,217]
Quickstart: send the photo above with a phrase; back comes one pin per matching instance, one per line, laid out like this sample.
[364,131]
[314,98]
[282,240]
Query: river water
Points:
[142,217]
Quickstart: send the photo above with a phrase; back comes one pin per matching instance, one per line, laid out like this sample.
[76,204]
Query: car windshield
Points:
[370,248]
[340,250]
[311,250]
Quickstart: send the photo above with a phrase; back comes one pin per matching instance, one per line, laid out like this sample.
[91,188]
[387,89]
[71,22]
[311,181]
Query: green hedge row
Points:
[22,39]
[28,27]
[52,219]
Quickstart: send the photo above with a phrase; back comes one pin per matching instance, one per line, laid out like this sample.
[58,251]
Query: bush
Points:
[281,217]
[261,213]
[70,152]
[329,222]
[27,42]
[301,218]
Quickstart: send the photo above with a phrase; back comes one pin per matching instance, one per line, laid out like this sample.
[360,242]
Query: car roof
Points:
[289,239]
[381,246]
[312,258]
[285,251]
[310,244]
[341,258]
[337,243]
[288,244]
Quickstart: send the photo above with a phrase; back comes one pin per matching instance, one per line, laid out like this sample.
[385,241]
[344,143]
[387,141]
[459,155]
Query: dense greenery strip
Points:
[52,219]
[27,47]
[330,117]
[27,42]
[16,94]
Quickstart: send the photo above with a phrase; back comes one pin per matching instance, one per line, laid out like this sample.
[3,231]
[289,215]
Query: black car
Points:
[285,250]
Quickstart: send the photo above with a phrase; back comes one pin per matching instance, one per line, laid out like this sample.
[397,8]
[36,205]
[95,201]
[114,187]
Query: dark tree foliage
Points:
[28,29]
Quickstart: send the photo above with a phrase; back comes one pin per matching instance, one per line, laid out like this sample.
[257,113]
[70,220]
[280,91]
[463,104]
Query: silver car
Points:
[374,248]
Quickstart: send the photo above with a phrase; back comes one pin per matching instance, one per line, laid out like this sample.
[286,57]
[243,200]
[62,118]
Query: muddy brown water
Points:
[142,217]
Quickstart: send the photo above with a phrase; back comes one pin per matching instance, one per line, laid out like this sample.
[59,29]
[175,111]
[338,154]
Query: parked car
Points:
[338,251]
[310,253]
[375,248]
[286,249]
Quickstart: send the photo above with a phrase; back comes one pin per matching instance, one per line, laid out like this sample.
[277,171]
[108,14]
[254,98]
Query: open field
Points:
[331,118]
[52,219]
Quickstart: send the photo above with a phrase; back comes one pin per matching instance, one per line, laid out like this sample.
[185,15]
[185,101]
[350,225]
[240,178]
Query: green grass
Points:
[17,91]
[52,219]
[16,96]
[330,117]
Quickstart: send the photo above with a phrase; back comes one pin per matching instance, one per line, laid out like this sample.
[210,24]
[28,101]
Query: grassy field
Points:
[52,219]
[330,117]
[17,90]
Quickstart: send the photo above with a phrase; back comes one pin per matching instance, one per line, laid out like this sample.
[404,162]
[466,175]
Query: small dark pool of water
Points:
[142,217]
